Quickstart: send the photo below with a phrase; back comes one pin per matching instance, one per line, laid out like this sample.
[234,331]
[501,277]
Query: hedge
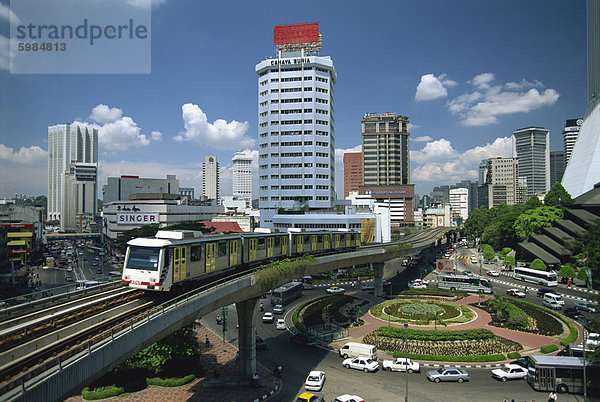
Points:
[549,348]
[101,393]
[435,335]
[450,358]
[516,316]
[513,355]
[295,319]
[573,332]
[171,382]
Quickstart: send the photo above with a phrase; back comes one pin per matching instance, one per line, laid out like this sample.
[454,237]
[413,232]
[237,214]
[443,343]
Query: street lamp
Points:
[406,358]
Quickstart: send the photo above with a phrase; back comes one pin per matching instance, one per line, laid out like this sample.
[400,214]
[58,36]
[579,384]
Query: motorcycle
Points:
[219,320]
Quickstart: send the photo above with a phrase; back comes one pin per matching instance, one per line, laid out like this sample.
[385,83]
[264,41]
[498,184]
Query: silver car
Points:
[448,373]
[590,308]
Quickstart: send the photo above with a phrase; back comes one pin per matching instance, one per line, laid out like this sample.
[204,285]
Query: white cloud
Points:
[219,135]
[23,171]
[483,107]
[104,114]
[439,163]
[432,87]
[424,138]
[156,136]
[7,14]
[5,53]
[145,4]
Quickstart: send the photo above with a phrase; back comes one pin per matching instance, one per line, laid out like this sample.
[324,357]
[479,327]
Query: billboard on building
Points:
[297,33]
[137,218]
[440,221]
[444,265]
[367,230]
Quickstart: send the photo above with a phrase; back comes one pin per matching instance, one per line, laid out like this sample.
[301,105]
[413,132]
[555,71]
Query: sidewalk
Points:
[219,359]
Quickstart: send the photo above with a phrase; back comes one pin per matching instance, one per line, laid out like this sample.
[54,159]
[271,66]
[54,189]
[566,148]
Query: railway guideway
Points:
[63,376]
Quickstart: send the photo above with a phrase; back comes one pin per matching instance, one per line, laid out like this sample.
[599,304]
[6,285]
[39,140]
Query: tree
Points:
[567,271]
[509,260]
[476,222]
[532,221]
[538,264]
[533,202]
[492,236]
[586,248]
[558,197]
[488,252]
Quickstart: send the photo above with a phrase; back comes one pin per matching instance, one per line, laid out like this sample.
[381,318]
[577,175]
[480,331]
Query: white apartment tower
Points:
[532,148]
[459,202]
[501,183]
[72,166]
[570,134]
[296,125]
[210,178]
[242,175]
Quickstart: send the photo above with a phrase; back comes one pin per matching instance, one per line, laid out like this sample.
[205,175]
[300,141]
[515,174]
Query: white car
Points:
[593,339]
[509,372]
[280,323]
[474,259]
[493,273]
[268,317]
[348,398]
[417,285]
[335,289]
[515,293]
[315,381]
[278,309]
[401,364]
[361,363]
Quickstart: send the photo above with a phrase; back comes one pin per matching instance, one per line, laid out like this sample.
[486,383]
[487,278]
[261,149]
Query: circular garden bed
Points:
[422,312]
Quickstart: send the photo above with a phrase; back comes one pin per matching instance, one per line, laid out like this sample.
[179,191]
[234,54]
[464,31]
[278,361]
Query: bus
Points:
[286,293]
[562,374]
[307,282]
[464,282]
[545,278]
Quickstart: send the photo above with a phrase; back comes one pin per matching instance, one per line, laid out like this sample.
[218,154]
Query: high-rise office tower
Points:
[531,145]
[570,134]
[583,170]
[386,160]
[352,172]
[72,157]
[386,165]
[296,125]
[210,178]
[242,175]
[557,166]
[459,202]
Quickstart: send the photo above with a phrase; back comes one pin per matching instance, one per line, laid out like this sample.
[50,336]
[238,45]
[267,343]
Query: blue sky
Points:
[467,73]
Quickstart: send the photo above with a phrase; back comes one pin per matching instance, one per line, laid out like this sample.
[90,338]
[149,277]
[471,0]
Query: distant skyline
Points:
[466,73]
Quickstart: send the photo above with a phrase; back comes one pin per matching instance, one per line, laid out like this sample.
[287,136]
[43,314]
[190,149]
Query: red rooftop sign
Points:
[298,33]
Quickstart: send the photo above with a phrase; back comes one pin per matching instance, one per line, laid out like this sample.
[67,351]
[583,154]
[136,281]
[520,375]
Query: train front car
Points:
[147,264]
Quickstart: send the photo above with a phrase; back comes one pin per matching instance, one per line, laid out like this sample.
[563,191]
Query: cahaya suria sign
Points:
[137,218]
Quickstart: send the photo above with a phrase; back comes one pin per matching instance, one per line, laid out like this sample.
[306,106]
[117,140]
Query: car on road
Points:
[448,373]
[468,273]
[310,397]
[368,288]
[593,339]
[573,313]
[416,284]
[95,263]
[401,364]
[335,289]
[268,317]
[361,363]
[348,398]
[585,306]
[278,309]
[315,380]
[280,323]
[474,259]
[304,339]
[542,291]
[493,273]
[509,372]
[515,293]
[99,271]
[69,268]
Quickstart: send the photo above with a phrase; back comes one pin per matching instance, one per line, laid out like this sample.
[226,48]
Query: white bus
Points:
[545,278]
[464,282]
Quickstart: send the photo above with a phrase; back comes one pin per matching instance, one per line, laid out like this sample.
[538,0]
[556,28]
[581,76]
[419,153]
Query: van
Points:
[554,298]
[552,304]
[355,349]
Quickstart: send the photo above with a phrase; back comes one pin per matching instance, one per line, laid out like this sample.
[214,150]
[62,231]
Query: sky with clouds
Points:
[466,73]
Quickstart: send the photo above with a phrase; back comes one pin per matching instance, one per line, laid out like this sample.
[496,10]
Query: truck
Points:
[355,349]
[401,364]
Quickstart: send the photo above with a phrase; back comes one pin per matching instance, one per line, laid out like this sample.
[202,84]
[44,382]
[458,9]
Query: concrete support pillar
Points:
[378,277]
[247,337]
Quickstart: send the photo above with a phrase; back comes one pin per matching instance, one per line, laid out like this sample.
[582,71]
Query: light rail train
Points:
[171,257]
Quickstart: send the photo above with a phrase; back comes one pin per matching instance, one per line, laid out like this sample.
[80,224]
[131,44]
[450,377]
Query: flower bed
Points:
[539,321]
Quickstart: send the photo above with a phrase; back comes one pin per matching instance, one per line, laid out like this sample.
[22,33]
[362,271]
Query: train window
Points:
[222,248]
[166,257]
[320,239]
[196,253]
[306,239]
[277,241]
[261,243]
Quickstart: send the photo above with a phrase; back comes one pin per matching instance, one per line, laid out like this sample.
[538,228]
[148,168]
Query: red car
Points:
[493,273]
[515,293]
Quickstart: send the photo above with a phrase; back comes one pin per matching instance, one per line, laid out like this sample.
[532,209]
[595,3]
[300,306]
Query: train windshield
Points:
[143,258]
